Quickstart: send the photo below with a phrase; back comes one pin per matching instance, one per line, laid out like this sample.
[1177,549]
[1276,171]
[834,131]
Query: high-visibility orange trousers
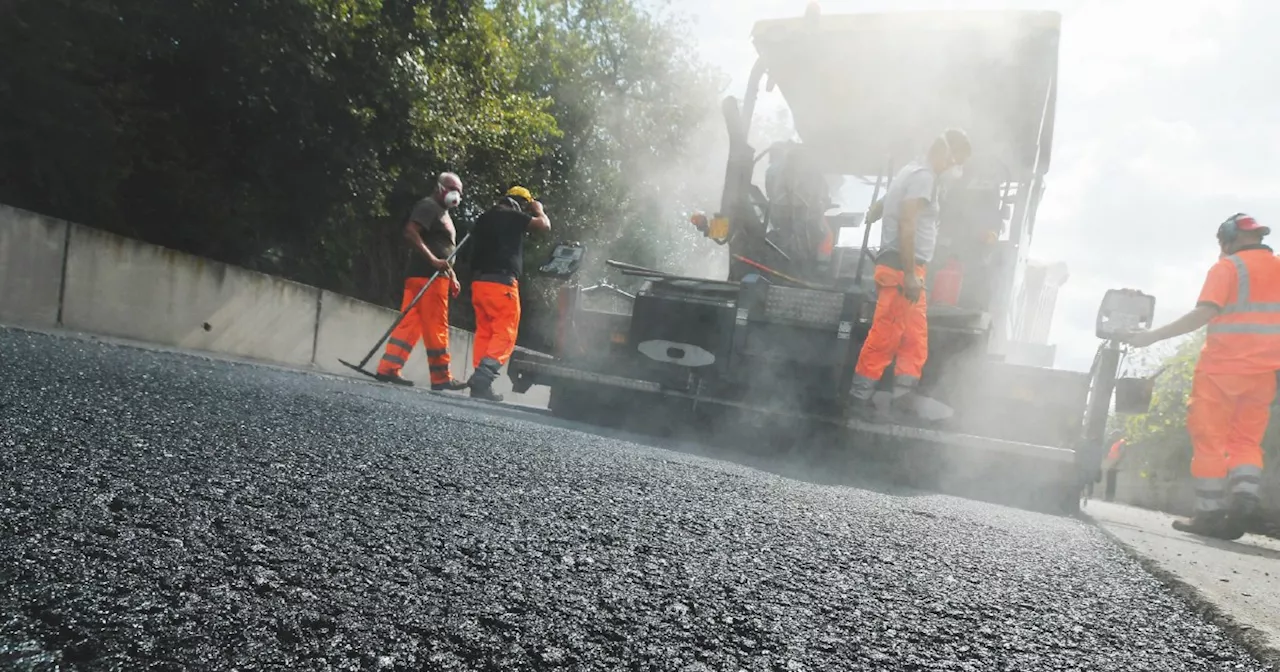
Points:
[497,308]
[1227,416]
[899,330]
[428,321]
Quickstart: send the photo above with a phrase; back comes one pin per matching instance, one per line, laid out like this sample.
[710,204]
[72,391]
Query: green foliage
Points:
[293,136]
[1158,441]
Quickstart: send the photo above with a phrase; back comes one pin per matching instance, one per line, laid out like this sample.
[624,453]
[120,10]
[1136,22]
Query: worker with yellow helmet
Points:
[497,255]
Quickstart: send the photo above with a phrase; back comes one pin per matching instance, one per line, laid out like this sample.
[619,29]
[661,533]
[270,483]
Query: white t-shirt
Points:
[915,180]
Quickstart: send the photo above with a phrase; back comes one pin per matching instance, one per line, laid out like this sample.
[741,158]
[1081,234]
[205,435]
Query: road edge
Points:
[1253,642]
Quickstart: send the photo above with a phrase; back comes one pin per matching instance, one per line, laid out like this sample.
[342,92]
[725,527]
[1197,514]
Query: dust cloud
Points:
[882,97]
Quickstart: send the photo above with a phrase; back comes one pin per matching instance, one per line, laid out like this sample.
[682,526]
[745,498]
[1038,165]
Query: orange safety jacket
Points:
[1244,337]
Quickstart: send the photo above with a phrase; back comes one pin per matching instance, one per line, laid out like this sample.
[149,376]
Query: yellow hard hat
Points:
[520,192]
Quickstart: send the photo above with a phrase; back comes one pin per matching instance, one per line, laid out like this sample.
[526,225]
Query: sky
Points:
[1168,122]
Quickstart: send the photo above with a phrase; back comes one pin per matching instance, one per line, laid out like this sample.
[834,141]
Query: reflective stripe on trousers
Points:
[899,335]
[497,308]
[1227,416]
[1215,494]
[428,322]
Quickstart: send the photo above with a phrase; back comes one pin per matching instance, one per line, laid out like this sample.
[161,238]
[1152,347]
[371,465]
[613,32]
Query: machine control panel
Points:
[1124,310]
[565,260]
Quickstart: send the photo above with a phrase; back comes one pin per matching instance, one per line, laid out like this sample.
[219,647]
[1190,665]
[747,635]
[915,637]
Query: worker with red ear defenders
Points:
[1235,378]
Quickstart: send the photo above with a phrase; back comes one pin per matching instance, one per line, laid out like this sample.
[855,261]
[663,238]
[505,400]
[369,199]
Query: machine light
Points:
[719,229]
[1124,310]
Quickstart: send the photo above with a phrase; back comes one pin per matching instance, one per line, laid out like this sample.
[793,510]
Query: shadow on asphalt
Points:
[1239,547]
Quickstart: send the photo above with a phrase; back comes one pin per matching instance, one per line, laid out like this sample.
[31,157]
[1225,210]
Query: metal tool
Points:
[761,267]
[359,368]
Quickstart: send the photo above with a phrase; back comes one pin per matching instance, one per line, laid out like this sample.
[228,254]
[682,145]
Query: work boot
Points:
[1212,524]
[866,411]
[452,386]
[393,378]
[482,378]
[903,407]
[485,393]
[1242,516]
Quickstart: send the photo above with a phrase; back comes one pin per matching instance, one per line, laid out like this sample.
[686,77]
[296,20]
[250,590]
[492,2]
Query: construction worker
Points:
[497,259]
[432,239]
[1109,466]
[1235,378]
[908,236]
[1111,469]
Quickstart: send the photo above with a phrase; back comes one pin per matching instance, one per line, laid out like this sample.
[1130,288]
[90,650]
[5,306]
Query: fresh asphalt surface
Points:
[163,511]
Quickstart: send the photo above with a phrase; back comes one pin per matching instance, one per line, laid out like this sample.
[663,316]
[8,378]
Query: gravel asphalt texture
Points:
[161,511]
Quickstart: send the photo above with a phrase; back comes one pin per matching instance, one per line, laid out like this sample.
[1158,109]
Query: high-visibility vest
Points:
[1245,336]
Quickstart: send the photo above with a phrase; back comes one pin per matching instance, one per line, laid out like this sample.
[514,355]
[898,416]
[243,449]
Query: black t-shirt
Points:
[498,245]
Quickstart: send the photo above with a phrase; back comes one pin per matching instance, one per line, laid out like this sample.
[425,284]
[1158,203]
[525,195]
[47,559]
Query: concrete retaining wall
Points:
[31,253]
[58,274]
[121,287]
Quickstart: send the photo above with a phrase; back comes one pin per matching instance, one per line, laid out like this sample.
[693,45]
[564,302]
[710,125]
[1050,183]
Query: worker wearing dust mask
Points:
[909,235]
[431,238]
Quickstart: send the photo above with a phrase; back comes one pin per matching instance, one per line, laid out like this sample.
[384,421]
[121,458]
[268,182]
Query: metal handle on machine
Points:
[887,178]
[608,286]
[1102,384]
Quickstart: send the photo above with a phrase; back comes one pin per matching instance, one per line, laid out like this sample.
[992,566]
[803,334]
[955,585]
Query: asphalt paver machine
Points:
[776,342]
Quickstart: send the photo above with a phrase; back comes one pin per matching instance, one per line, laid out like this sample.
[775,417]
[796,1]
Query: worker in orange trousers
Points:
[909,234]
[432,239]
[1235,378]
[497,260]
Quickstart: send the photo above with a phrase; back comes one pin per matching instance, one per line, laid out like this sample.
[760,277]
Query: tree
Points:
[293,136]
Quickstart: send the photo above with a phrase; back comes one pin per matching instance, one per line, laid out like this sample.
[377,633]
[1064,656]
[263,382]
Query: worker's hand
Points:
[536,207]
[874,213]
[911,288]
[440,264]
[455,287]
[1139,338]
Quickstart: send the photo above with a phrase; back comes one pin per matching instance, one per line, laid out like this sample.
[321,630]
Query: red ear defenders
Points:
[1229,230]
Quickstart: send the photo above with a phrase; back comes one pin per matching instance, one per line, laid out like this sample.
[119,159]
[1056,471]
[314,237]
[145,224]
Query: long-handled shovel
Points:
[359,368]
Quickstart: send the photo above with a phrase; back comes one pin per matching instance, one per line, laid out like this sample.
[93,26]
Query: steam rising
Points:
[859,96]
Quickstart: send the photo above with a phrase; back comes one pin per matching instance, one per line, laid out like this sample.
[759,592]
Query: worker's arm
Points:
[540,221]
[1213,297]
[917,192]
[414,236]
[1186,324]
[874,213]
[907,247]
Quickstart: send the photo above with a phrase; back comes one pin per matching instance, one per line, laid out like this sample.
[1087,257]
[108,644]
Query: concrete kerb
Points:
[513,404]
[1257,644]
